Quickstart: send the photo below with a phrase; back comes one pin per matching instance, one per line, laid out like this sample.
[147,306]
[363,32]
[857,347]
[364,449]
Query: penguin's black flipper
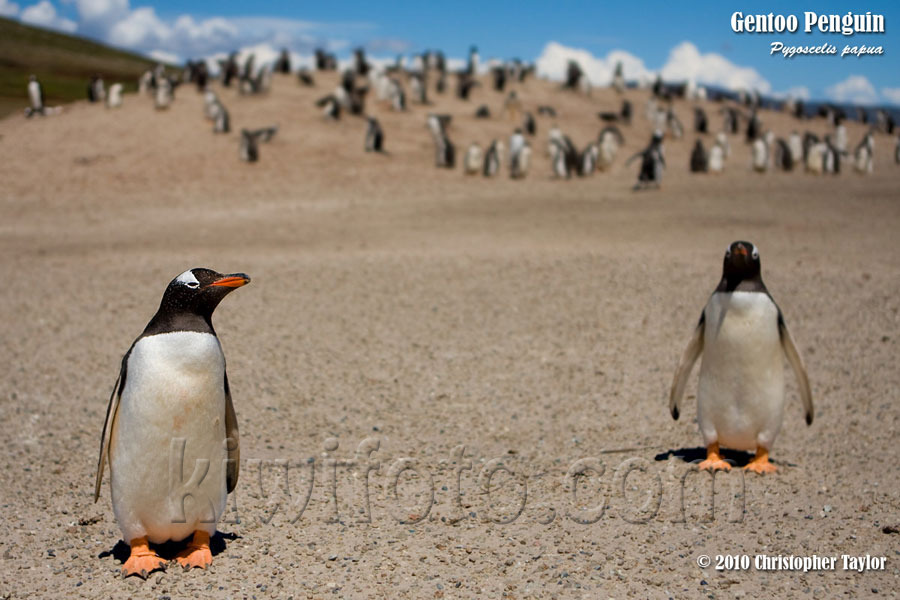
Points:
[232,441]
[793,356]
[690,356]
[112,412]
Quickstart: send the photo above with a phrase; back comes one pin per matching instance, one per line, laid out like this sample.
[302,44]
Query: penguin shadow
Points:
[737,458]
[168,550]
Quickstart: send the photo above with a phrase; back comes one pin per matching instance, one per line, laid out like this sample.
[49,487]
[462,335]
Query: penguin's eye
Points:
[755,253]
[192,284]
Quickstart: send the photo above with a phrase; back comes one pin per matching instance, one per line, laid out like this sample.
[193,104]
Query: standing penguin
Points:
[701,123]
[652,163]
[473,159]
[519,155]
[698,158]
[864,154]
[493,158]
[170,429]
[374,136]
[609,141]
[114,98]
[222,122]
[35,95]
[742,336]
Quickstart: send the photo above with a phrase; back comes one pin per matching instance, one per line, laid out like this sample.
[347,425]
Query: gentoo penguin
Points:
[730,124]
[864,154]
[35,95]
[547,111]
[741,335]
[558,159]
[493,158]
[330,106]
[760,154]
[652,163]
[519,155]
[609,141]
[722,141]
[783,157]
[374,136]
[840,135]
[528,124]
[114,98]
[618,82]
[249,148]
[170,429]
[305,77]
[715,160]
[222,122]
[701,123]
[795,143]
[674,124]
[832,157]
[419,87]
[698,158]
[164,93]
[483,112]
[472,162]
[445,151]
[587,162]
[754,127]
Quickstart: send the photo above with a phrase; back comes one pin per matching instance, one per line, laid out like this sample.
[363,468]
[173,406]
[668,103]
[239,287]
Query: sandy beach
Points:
[534,323]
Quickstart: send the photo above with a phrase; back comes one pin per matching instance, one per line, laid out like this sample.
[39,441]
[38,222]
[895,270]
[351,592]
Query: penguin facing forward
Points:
[473,159]
[171,429]
[35,95]
[741,335]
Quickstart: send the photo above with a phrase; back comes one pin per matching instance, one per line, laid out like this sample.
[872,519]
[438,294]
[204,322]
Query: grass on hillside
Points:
[63,63]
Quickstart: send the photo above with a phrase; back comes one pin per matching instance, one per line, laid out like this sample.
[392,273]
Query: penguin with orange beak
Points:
[171,434]
[742,337]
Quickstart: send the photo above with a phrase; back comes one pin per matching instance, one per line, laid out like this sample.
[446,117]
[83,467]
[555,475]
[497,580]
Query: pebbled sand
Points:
[535,322]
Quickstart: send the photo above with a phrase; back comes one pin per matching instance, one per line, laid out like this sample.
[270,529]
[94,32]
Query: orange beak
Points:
[232,281]
[741,250]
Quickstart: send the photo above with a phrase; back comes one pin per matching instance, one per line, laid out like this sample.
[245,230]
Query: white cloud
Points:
[8,9]
[141,28]
[798,92]
[892,95]
[555,58]
[685,62]
[44,14]
[855,89]
[164,57]
[102,11]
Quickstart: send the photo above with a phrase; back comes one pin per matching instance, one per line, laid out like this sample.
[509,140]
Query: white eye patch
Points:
[755,252]
[187,278]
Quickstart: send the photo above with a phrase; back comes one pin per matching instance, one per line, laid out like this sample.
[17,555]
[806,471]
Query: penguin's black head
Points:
[199,291]
[741,264]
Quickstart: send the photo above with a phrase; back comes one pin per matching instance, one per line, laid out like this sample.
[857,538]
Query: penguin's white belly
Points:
[740,396]
[174,398]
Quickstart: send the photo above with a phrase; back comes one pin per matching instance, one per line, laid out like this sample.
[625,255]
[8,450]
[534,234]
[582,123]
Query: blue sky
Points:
[647,31]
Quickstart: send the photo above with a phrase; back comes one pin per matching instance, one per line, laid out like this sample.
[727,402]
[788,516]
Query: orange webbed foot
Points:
[142,560]
[760,463]
[197,553]
[713,461]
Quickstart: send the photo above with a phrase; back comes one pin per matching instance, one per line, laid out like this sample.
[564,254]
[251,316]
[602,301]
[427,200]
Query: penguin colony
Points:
[177,362]
[404,83]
